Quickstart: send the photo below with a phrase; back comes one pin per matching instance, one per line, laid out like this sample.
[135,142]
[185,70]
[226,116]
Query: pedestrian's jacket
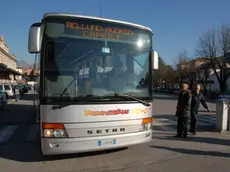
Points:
[183,104]
[197,98]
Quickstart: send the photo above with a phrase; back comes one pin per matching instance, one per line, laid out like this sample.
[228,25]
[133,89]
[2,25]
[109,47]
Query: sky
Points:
[177,25]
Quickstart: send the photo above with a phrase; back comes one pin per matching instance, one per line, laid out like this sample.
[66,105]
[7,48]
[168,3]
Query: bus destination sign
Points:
[99,32]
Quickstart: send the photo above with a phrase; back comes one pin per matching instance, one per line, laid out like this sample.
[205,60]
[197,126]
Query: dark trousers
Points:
[182,125]
[193,121]
[17,97]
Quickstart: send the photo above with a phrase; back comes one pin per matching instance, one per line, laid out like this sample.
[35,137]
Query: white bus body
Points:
[95,86]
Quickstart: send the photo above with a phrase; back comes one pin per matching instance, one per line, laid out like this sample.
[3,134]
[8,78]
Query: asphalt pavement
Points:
[19,147]
[164,114]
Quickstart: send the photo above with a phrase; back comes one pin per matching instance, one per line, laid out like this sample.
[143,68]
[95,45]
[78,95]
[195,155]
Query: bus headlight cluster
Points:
[146,124]
[54,130]
[54,133]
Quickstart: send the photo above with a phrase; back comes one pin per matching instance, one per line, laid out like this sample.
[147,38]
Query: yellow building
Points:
[8,64]
[19,69]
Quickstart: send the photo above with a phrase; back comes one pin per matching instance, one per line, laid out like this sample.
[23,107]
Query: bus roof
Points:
[96,18]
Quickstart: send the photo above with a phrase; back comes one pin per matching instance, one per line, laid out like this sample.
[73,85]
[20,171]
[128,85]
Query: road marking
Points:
[162,127]
[205,120]
[200,121]
[32,135]
[6,133]
[169,124]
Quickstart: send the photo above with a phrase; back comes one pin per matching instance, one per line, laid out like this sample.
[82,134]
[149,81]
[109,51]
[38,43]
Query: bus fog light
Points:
[54,145]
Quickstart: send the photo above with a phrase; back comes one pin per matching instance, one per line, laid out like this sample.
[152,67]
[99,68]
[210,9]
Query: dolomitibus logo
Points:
[136,111]
[105,113]
[139,111]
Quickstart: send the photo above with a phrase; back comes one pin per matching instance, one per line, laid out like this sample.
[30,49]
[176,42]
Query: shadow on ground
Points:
[198,139]
[27,96]
[173,116]
[194,152]
[31,153]
[17,113]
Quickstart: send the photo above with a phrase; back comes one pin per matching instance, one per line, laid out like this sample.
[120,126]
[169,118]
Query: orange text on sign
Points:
[101,35]
[97,31]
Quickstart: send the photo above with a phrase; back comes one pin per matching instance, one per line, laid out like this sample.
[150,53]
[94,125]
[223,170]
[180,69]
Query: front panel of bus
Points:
[86,67]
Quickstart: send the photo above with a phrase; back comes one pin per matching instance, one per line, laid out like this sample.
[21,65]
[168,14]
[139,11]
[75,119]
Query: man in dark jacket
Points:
[182,112]
[197,98]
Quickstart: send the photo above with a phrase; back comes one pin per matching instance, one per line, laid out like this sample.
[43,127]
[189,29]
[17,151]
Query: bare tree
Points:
[205,68]
[214,45]
[162,74]
[170,76]
[185,67]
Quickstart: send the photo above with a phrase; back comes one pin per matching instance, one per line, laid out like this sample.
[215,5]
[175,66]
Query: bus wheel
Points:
[39,138]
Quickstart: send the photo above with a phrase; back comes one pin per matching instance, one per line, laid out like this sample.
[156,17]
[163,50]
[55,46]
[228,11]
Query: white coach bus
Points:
[95,84]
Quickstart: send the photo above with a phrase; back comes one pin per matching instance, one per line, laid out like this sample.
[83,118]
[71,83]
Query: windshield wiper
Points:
[63,92]
[132,97]
[61,105]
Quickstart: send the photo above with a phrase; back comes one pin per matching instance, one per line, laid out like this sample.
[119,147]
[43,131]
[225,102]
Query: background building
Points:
[8,64]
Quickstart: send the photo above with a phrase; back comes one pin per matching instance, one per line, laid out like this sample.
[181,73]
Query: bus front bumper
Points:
[52,146]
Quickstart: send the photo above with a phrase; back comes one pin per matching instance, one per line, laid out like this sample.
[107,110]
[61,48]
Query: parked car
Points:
[7,89]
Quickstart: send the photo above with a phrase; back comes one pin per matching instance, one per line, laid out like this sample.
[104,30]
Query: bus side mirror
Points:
[155,60]
[35,38]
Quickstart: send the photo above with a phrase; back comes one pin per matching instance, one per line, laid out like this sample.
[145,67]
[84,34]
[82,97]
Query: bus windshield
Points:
[101,58]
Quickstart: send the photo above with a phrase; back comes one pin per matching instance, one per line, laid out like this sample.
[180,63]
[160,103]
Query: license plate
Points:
[106,142]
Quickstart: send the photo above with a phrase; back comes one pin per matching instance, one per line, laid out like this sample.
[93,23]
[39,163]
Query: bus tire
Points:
[39,138]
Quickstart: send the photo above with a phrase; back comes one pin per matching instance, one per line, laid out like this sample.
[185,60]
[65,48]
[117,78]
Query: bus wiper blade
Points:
[63,92]
[132,97]
[61,105]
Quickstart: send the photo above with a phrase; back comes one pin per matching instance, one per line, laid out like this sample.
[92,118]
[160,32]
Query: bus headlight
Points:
[54,130]
[146,124]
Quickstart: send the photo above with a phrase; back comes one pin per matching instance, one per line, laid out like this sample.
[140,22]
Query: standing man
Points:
[16,93]
[182,112]
[197,98]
